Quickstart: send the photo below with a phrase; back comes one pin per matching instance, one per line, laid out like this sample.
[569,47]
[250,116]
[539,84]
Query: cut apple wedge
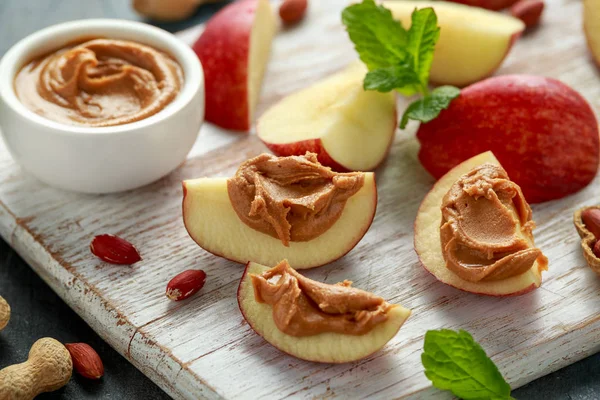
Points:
[234,49]
[429,249]
[213,223]
[473,41]
[591,27]
[349,129]
[324,347]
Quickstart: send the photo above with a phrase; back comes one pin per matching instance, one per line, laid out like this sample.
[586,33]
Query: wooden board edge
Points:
[82,297]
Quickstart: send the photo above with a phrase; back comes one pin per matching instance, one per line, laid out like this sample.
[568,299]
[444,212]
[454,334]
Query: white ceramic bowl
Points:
[106,159]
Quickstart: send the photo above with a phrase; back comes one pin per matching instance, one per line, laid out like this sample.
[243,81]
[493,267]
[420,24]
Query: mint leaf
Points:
[430,106]
[454,361]
[398,59]
[388,78]
[422,37]
[379,40]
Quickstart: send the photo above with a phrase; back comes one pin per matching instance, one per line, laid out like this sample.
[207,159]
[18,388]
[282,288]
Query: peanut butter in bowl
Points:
[100,105]
[99,82]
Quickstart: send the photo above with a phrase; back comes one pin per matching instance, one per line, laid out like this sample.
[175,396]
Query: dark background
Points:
[38,312]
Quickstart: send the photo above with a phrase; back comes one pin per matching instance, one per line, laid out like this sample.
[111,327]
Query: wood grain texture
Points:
[203,348]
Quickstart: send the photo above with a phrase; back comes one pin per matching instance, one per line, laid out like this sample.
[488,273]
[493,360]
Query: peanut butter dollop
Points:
[303,307]
[100,82]
[291,198]
[486,230]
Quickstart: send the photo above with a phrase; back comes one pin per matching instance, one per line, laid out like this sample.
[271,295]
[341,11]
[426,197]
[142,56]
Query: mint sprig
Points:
[379,40]
[455,361]
[398,59]
[429,107]
[387,79]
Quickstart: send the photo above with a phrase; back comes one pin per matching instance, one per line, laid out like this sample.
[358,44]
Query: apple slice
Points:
[349,129]
[324,347]
[473,41]
[429,249]
[212,222]
[234,50]
[591,27]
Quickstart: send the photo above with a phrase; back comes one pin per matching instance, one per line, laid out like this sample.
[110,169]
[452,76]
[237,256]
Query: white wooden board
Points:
[203,348]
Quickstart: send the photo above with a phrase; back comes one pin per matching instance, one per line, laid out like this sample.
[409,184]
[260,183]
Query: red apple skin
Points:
[489,4]
[542,131]
[362,234]
[239,299]
[316,146]
[223,49]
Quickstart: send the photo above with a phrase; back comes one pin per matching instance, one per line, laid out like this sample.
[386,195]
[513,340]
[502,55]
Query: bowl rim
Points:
[31,46]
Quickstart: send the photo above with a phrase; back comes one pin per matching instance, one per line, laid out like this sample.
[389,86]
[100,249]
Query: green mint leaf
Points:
[422,37]
[379,40]
[388,78]
[454,361]
[429,107]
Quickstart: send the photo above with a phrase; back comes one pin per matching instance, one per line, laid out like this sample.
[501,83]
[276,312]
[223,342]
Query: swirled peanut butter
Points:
[486,230]
[303,307]
[100,82]
[291,198]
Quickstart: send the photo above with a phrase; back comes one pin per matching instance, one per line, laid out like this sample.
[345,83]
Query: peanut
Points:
[168,10]
[4,313]
[48,368]
[85,360]
[596,249]
[292,11]
[591,220]
[185,284]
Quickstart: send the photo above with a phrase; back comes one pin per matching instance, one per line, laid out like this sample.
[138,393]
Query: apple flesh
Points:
[473,41]
[591,27]
[234,50]
[349,129]
[541,130]
[429,248]
[325,347]
[212,222]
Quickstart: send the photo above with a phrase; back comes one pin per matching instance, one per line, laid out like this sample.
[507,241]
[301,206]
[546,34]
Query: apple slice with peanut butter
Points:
[313,320]
[474,231]
[278,208]
[486,229]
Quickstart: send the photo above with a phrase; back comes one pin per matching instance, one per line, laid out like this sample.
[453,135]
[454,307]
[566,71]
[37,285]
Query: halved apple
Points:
[324,347]
[473,41]
[212,222]
[429,249]
[591,27]
[234,49]
[349,129]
